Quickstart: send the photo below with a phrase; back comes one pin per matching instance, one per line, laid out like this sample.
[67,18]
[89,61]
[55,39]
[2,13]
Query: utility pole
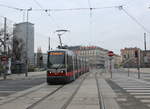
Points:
[49,44]
[110,54]
[137,56]
[110,67]
[5,52]
[145,41]
[27,35]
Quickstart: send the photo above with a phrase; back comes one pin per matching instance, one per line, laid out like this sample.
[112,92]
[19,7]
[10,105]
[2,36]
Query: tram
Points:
[64,66]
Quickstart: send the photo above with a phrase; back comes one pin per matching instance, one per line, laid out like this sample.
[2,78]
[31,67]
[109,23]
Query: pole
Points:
[26,74]
[110,69]
[5,52]
[60,40]
[27,35]
[128,71]
[49,46]
[145,41]
[138,64]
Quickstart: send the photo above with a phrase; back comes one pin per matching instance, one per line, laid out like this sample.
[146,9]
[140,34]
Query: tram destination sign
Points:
[56,53]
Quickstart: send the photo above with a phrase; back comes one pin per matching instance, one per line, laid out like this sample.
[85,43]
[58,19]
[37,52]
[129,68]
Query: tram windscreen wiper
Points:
[60,65]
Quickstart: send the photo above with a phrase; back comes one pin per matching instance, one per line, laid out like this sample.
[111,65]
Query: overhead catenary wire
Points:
[75,9]
[78,9]
[7,19]
[134,19]
[11,7]
[90,19]
[48,13]
[38,4]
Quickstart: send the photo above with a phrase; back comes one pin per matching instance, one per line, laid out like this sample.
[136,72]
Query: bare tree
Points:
[18,46]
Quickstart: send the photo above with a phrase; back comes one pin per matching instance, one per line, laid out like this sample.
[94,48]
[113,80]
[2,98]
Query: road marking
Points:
[6,91]
[136,88]
[148,105]
[142,96]
[145,101]
[140,93]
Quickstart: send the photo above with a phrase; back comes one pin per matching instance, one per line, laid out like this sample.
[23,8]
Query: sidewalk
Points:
[22,76]
[142,70]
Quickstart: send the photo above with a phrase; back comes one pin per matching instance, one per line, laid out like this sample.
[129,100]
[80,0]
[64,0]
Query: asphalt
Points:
[118,92]
[15,83]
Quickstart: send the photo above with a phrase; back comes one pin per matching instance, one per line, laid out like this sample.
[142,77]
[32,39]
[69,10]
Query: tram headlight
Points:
[62,71]
[48,72]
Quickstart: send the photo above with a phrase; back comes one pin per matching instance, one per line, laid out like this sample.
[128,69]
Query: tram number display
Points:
[56,53]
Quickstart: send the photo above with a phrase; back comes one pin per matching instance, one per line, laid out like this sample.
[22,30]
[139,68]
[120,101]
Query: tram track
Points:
[65,105]
[46,96]
[74,93]
[24,94]
[100,97]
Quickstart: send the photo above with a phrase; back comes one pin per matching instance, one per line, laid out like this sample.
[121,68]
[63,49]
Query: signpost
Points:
[110,54]
[137,56]
[4,60]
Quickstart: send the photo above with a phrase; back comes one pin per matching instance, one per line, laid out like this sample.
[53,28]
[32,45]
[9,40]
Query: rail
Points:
[101,100]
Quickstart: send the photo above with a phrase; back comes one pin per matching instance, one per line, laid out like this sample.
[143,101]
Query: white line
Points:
[143,96]
[140,93]
[6,91]
[138,90]
[136,87]
[145,101]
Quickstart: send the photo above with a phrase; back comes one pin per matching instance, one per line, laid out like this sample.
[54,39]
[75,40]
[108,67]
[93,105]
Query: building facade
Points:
[23,42]
[117,60]
[96,56]
[40,62]
[145,58]
[129,58]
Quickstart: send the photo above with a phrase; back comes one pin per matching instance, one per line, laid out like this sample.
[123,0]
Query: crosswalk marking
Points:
[145,96]
[140,93]
[145,101]
[139,90]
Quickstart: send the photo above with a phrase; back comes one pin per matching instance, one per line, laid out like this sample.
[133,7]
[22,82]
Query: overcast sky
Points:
[109,28]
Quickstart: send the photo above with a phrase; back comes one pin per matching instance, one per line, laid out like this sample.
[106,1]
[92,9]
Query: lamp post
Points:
[110,54]
[30,9]
[5,52]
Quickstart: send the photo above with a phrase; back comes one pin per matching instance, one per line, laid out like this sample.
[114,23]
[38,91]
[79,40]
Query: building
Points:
[23,42]
[40,62]
[117,60]
[145,58]
[129,58]
[96,56]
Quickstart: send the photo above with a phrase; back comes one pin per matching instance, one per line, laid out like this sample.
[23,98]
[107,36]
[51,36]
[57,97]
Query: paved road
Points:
[132,93]
[11,86]
[119,92]
[89,91]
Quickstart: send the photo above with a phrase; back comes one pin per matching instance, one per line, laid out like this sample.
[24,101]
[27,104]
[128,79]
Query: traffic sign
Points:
[110,53]
[4,58]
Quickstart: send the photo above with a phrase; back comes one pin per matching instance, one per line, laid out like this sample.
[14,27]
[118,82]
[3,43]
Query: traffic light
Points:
[136,53]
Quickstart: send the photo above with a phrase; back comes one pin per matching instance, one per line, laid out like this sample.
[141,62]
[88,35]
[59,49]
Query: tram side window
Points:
[70,63]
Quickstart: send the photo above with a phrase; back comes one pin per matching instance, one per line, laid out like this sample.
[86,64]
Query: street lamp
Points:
[30,9]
